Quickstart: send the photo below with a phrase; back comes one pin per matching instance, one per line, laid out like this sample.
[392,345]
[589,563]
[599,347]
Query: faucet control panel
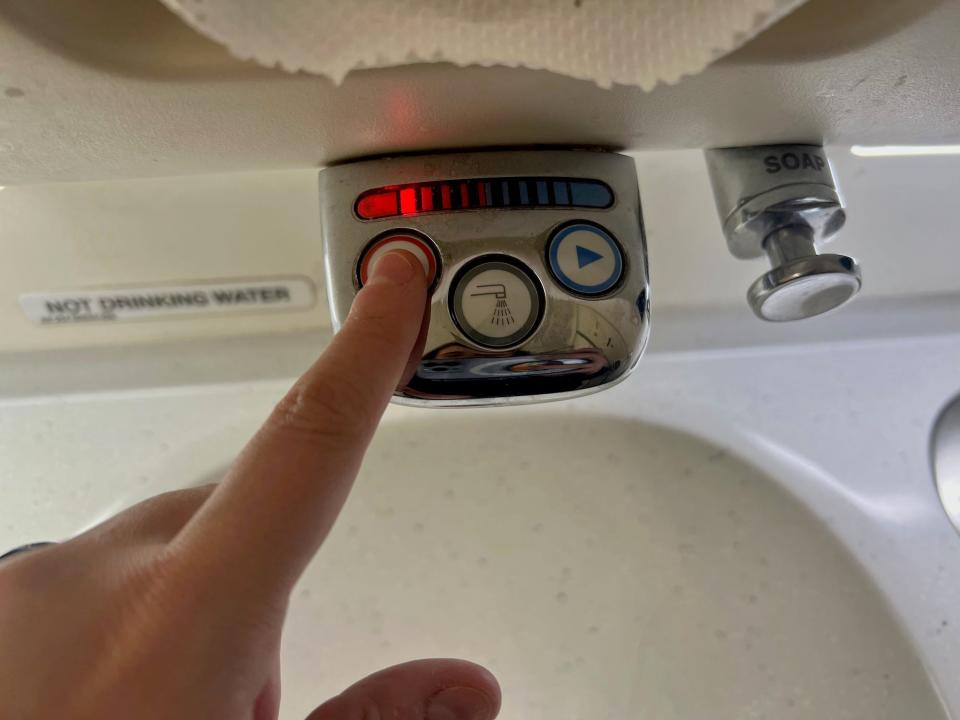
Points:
[537,262]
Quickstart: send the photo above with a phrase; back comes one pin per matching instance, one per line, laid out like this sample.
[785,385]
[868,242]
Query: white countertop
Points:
[844,427]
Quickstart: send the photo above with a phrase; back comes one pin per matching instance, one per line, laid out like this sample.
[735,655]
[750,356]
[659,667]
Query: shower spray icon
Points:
[501,311]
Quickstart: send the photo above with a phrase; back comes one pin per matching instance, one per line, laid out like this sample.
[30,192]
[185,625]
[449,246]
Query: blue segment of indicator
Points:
[591,194]
[560,193]
[542,197]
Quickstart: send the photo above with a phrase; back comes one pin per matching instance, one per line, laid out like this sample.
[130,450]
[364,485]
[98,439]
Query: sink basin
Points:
[601,556]
[603,569]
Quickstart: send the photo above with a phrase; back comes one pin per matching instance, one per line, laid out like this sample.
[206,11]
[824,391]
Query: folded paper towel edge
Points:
[338,71]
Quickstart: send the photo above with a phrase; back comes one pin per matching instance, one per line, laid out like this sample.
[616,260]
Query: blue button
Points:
[585,258]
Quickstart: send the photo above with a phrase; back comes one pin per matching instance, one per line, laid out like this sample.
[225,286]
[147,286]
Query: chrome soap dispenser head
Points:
[782,201]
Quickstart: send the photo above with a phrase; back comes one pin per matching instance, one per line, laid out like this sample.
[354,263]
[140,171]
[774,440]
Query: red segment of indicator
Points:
[426,198]
[482,193]
[378,205]
[445,199]
[464,195]
[408,201]
[419,247]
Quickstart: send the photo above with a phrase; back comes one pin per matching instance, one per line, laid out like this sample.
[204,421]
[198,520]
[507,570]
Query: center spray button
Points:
[496,302]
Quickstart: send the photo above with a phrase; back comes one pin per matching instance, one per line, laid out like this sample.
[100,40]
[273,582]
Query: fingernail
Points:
[395,266]
[459,703]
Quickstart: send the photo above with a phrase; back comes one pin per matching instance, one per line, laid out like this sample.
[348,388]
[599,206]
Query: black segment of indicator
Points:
[496,195]
[473,194]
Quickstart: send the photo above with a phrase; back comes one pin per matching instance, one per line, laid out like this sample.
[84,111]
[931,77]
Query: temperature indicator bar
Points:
[482,194]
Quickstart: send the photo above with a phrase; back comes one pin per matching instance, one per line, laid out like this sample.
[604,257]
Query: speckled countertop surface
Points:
[707,539]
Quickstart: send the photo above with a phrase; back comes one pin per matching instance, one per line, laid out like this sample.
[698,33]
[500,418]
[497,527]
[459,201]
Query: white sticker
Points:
[142,303]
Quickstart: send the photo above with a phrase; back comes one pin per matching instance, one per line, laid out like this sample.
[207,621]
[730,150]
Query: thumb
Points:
[419,690]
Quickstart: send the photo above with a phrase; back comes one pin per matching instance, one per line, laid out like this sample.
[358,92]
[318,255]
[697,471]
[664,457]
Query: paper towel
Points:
[632,42]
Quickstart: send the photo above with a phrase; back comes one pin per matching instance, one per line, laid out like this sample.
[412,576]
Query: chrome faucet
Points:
[782,201]
[537,259]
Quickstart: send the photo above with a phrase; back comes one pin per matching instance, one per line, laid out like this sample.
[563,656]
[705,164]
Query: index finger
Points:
[261,527]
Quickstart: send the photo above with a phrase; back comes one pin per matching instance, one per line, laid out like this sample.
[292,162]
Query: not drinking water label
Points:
[165,301]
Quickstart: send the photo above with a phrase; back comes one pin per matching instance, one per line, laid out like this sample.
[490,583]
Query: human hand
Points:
[174,608]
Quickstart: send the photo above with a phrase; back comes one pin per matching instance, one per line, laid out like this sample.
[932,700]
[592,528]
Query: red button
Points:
[417,246]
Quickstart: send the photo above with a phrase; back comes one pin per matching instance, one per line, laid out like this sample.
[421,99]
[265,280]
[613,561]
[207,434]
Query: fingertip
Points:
[486,682]
[460,703]
[398,267]
[429,689]
[395,292]
[479,676]
[465,675]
